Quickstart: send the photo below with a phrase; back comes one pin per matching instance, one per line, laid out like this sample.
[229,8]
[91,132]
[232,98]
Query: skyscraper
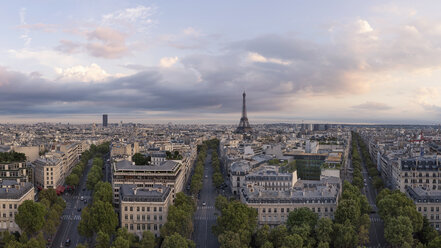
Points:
[244,125]
[105,120]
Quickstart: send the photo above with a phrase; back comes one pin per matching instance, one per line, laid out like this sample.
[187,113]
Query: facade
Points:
[273,206]
[12,195]
[270,179]
[428,203]
[48,172]
[17,171]
[170,173]
[144,209]
[418,172]
[105,120]
[70,157]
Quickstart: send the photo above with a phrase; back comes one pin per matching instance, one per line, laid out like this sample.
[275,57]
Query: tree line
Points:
[12,156]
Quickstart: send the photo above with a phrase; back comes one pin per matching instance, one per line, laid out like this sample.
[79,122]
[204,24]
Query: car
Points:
[206,176]
[81,198]
[85,201]
[84,189]
[67,243]
[79,209]
[204,204]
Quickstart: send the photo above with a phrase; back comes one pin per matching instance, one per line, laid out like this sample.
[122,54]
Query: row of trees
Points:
[175,155]
[74,178]
[218,180]
[37,220]
[196,179]
[371,167]
[95,174]
[178,229]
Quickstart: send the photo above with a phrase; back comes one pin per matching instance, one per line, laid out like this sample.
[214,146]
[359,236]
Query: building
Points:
[170,173]
[428,203]
[32,152]
[17,171]
[144,209]
[417,172]
[12,195]
[105,120]
[269,178]
[274,206]
[48,172]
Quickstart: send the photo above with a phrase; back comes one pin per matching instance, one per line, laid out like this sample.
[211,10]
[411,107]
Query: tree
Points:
[427,233]
[217,179]
[323,245]
[237,217]
[278,235]
[262,235]
[231,239]
[293,241]
[103,192]
[148,240]
[102,240]
[30,216]
[81,246]
[177,241]
[178,221]
[324,230]
[398,231]
[301,216]
[104,217]
[347,210]
[344,235]
[86,226]
[221,202]
[120,242]
[72,179]
[139,159]
[435,243]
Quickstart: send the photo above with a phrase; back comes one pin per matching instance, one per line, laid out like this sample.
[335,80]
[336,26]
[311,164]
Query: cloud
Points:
[49,28]
[25,34]
[79,73]
[139,18]
[68,47]
[106,43]
[255,57]
[168,61]
[364,26]
[373,106]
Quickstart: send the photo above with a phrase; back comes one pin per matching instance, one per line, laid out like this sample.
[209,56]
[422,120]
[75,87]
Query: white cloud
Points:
[168,61]
[364,26]
[92,73]
[255,57]
[139,16]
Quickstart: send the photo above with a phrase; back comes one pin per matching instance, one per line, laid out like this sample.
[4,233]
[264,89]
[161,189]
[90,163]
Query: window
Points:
[154,209]
[137,217]
[131,216]
[126,216]
[125,208]
[137,209]
[160,217]
[148,209]
[131,208]
[155,217]
[282,210]
[143,209]
[138,227]
[131,226]
[160,209]
[263,210]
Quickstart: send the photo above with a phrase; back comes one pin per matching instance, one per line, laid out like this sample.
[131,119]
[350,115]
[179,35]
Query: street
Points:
[71,216]
[205,216]
[376,230]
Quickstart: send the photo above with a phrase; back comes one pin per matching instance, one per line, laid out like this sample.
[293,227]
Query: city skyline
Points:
[156,62]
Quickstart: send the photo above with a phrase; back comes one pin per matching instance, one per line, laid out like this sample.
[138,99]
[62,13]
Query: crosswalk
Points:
[70,217]
[375,220]
[205,217]
[205,207]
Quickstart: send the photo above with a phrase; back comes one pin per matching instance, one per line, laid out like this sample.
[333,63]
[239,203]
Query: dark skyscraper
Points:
[105,120]
[244,125]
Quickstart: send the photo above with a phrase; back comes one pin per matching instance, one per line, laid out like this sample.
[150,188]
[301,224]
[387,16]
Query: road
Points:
[205,216]
[71,216]
[376,231]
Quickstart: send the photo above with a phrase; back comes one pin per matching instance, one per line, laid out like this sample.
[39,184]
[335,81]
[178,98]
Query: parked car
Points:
[204,204]
[67,243]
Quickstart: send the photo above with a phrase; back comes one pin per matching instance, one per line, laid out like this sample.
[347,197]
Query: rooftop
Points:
[126,165]
[157,193]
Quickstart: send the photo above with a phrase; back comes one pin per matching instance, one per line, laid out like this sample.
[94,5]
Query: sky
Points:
[190,61]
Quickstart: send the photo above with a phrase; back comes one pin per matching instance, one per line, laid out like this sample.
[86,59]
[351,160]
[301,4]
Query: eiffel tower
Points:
[244,125]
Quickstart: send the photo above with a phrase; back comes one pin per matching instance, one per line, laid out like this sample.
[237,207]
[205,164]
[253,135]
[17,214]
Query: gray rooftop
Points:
[157,193]
[125,165]
[421,195]
[10,189]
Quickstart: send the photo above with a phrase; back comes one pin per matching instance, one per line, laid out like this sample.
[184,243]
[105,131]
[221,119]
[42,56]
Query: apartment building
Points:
[274,206]
[12,195]
[418,172]
[169,173]
[144,209]
[428,203]
[48,172]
